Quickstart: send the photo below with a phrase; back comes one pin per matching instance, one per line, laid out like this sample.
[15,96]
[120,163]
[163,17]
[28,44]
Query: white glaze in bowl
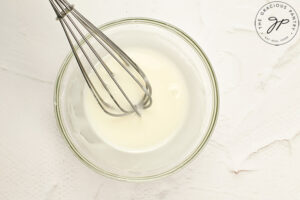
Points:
[181,148]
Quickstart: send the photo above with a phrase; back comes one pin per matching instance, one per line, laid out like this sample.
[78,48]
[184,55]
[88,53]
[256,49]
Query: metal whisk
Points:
[71,21]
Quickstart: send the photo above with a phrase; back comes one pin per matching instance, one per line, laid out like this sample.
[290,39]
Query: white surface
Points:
[254,152]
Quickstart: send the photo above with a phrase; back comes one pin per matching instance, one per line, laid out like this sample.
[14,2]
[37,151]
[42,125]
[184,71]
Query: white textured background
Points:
[254,153]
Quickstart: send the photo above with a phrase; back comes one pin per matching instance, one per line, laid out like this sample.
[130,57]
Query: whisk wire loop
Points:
[69,19]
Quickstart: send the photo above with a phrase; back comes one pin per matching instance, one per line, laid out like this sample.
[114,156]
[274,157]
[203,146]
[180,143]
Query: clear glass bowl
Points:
[183,147]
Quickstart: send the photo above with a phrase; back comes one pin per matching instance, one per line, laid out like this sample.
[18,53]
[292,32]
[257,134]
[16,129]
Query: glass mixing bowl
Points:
[178,151]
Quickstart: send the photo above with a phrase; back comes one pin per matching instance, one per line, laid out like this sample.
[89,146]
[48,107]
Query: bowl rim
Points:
[213,119]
